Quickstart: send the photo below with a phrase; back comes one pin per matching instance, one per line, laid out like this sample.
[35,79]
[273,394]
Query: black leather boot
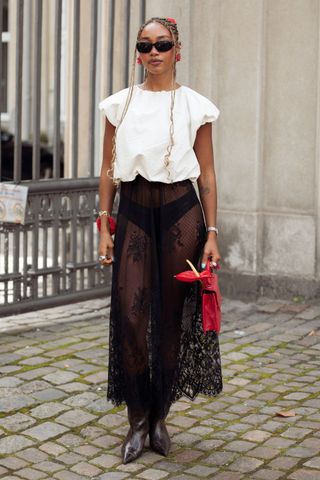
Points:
[159,437]
[137,434]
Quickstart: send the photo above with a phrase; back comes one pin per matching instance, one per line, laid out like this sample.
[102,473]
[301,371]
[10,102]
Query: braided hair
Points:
[171,26]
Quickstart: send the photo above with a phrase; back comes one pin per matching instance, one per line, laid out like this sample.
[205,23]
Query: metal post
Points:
[18,93]
[36,89]
[111,46]
[127,52]
[1,28]
[142,20]
[75,87]
[92,87]
[57,90]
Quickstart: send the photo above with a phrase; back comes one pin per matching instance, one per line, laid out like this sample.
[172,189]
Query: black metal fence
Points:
[52,258]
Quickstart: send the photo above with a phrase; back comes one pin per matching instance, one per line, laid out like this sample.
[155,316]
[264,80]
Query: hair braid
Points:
[172,27]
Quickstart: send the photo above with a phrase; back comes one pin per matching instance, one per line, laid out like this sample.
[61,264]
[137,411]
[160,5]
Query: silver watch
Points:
[213,229]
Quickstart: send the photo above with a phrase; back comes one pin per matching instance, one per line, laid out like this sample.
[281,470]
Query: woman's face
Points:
[156,62]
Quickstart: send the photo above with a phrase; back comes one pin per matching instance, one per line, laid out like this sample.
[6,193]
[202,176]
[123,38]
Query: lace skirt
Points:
[157,350]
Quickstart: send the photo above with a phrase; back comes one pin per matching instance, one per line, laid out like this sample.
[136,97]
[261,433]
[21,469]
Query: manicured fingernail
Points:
[203,265]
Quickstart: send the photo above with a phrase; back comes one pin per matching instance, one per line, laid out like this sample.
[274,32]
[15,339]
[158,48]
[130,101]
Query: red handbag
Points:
[112,224]
[210,295]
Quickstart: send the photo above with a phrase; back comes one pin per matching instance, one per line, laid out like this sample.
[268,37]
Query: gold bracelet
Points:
[104,212]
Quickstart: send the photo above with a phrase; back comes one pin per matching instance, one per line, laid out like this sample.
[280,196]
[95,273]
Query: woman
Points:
[158,140]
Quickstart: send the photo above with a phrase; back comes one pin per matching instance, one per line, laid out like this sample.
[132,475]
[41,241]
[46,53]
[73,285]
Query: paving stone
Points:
[211,444]
[266,474]
[81,400]
[239,446]
[13,463]
[186,438]
[284,463]
[201,471]
[312,443]
[92,432]
[114,476]
[53,449]
[256,435]
[33,455]
[106,461]
[188,456]
[69,458]
[60,376]
[228,476]
[34,361]
[278,442]
[220,458]
[70,440]
[301,452]
[313,463]
[87,450]
[49,394]
[245,464]
[153,474]
[84,468]
[106,441]
[304,474]
[264,452]
[15,403]
[75,418]
[13,443]
[35,373]
[112,420]
[46,430]
[10,382]
[31,474]
[3,470]
[16,422]
[33,386]
[47,410]
[74,387]
[67,475]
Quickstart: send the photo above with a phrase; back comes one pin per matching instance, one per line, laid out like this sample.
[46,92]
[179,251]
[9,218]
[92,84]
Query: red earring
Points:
[139,61]
[178,57]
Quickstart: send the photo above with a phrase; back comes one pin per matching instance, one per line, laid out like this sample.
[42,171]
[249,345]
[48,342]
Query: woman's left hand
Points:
[210,250]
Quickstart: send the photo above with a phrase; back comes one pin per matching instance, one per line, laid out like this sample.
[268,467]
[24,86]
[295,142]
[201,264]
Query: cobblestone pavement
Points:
[55,422]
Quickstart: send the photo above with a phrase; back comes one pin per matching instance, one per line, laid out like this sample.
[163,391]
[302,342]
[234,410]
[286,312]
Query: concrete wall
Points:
[258,60]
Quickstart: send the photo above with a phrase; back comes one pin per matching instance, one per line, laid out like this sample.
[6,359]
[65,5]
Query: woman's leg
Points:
[130,321]
[182,235]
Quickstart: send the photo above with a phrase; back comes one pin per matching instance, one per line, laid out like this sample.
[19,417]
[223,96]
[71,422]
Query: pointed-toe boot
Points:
[159,437]
[136,437]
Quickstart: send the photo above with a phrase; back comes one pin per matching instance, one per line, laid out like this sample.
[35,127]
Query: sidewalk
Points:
[55,422]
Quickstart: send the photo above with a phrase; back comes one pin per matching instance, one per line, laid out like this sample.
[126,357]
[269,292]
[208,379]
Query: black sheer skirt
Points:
[157,350]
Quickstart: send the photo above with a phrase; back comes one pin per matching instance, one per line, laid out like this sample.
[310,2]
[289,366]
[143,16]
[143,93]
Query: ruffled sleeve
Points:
[113,105]
[202,110]
[209,111]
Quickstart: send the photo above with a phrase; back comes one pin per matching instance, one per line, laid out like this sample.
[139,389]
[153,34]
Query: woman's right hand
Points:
[106,248]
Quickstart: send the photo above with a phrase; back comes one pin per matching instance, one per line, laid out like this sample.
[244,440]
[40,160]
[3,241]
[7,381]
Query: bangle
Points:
[213,229]
[104,212]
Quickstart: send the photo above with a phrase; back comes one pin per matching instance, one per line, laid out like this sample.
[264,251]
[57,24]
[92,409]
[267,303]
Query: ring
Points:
[102,258]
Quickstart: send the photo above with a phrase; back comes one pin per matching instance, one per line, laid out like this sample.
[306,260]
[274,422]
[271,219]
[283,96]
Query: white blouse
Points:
[143,136]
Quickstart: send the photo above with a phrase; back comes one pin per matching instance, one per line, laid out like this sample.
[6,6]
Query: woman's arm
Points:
[107,191]
[207,189]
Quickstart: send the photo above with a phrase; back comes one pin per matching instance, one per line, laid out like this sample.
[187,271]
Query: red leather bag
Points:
[211,302]
[210,295]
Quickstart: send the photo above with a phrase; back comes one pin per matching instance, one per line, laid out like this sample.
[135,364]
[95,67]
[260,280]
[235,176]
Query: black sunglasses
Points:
[161,46]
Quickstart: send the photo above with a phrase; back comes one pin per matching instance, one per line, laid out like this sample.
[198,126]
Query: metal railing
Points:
[52,258]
